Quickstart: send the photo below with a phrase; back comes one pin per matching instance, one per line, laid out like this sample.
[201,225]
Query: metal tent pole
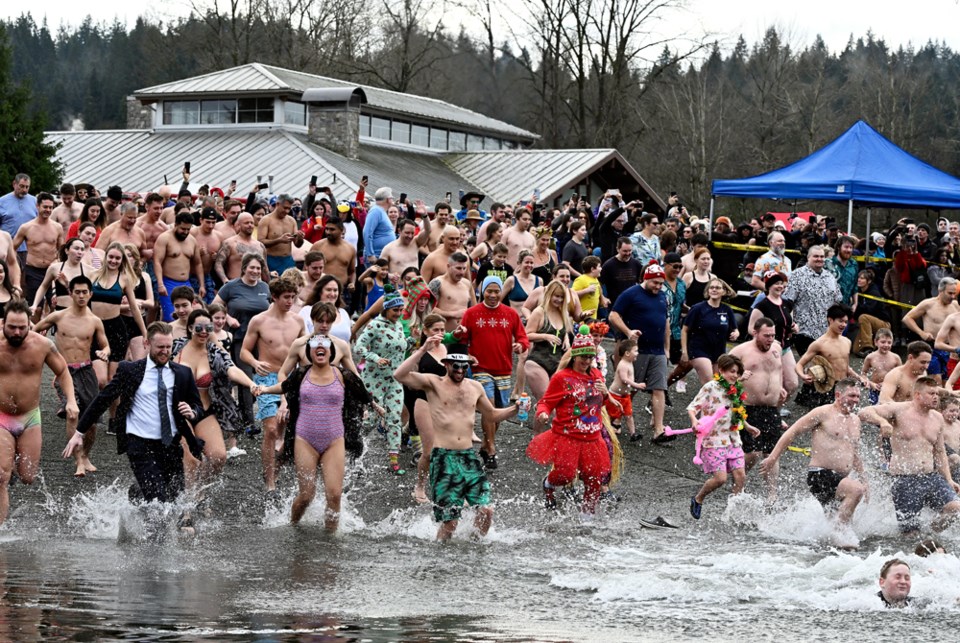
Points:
[710,229]
[866,252]
[850,217]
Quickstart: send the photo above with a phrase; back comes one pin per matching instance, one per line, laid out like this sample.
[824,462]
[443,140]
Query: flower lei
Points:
[736,396]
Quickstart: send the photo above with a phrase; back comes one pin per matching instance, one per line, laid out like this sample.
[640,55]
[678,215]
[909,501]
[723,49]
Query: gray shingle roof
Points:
[257,78]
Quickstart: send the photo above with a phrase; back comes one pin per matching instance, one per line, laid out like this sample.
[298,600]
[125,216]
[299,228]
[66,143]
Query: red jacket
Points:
[577,402]
[490,336]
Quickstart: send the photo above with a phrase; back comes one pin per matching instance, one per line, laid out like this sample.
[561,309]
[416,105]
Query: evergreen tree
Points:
[21,133]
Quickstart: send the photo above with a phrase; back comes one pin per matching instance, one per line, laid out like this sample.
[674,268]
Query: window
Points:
[438,138]
[491,143]
[458,142]
[181,112]
[420,135]
[255,110]
[380,128]
[474,143]
[364,125]
[294,113]
[218,112]
[400,132]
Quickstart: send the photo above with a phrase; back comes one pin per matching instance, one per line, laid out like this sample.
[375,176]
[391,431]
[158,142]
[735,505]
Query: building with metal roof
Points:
[261,124]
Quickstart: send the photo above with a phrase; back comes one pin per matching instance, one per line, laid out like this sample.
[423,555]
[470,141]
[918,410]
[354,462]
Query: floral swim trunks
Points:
[722,458]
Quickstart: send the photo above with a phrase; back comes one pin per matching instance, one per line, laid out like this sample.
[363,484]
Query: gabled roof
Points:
[859,165]
[260,79]
[508,175]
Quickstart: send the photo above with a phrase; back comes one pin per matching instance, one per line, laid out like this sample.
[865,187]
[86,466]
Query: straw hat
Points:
[821,370]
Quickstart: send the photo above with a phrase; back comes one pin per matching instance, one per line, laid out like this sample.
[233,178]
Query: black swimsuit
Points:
[63,292]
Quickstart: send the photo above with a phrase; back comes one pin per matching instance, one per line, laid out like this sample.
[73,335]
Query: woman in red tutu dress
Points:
[573,444]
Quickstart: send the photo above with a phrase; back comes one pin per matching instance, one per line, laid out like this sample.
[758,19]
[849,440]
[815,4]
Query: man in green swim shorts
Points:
[456,473]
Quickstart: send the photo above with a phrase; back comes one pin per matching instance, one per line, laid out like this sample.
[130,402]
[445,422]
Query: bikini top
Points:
[204,381]
[111,295]
[61,290]
[518,294]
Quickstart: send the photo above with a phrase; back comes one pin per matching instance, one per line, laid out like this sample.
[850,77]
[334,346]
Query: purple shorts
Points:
[722,458]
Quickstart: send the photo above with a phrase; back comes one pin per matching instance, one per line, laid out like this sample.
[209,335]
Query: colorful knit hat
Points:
[653,271]
[392,298]
[416,290]
[583,343]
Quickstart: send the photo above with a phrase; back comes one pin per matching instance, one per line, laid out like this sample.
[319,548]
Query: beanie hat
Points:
[392,298]
[583,343]
[653,270]
[491,279]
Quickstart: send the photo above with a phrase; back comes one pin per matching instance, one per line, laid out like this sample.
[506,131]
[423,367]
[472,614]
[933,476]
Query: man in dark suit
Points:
[157,397]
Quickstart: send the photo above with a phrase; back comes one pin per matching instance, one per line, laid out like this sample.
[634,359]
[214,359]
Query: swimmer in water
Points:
[895,584]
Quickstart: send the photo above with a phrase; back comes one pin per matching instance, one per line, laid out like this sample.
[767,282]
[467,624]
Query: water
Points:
[75,563]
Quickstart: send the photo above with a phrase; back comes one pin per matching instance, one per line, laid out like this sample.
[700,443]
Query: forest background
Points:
[683,108]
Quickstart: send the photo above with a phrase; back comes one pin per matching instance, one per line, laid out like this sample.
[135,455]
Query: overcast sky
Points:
[897,23]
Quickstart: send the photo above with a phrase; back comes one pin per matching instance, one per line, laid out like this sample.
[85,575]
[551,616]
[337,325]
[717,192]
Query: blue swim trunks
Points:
[268,403]
[938,363]
[279,264]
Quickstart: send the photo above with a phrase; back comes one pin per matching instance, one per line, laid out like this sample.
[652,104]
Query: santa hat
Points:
[416,290]
[583,343]
[653,271]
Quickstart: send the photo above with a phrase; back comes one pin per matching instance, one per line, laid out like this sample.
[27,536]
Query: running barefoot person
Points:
[59,275]
[277,232]
[215,374]
[514,292]
[145,300]
[574,444]
[79,333]
[899,382]
[562,274]
[880,362]
[456,473]
[763,383]
[706,330]
[721,452]
[175,257]
[624,387]
[92,256]
[22,356]
[43,238]
[932,313]
[271,333]
[453,291]
[549,329]
[326,413]
[8,253]
[835,348]
[231,258]
[780,311]
[834,454]
[918,460]
[323,315]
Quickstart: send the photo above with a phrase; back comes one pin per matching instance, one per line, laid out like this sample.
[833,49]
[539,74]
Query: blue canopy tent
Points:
[860,166]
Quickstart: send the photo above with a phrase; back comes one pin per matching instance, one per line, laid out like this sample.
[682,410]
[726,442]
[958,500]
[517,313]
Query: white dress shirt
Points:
[144,419]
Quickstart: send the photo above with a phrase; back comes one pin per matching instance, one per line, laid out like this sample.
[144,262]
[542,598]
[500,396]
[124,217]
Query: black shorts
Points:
[823,484]
[85,388]
[767,419]
[117,338]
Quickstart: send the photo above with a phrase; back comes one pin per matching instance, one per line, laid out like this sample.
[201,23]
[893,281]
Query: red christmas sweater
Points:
[490,335]
[577,402]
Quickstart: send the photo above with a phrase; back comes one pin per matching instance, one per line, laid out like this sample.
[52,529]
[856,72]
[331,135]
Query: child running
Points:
[624,386]
[877,364]
[722,450]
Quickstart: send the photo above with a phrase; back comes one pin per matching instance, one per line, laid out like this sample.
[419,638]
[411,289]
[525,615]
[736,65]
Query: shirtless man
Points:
[271,333]
[235,247]
[403,252]
[209,242]
[454,293]
[441,221]
[22,356]
[763,383]
[456,472]
[918,460]
[436,262]
[313,264]
[880,362]
[950,410]
[277,231]
[152,227]
[78,330]
[932,313]
[111,205]
[43,237]
[231,210]
[124,231]
[175,257]
[340,257]
[518,237]
[835,347]
[69,209]
[834,454]
[899,383]
[8,254]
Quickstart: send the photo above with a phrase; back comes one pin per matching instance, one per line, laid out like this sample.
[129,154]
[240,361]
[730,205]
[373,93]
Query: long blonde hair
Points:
[125,268]
[548,292]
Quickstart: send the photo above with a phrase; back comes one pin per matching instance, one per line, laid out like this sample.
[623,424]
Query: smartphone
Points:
[186,167]
[462,193]
[403,197]
[313,180]
[334,178]
[536,194]
[233,183]
[364,178]
[575,197]
[449,196]
[263,186]
[166,181]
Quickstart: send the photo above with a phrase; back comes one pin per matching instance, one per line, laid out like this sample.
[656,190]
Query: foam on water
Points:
[279,515]
[97,514]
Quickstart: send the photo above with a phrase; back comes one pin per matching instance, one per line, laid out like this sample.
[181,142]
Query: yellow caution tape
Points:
[887,301]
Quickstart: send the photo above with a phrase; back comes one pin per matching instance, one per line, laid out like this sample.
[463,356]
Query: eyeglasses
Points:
[203,328]
[320,340]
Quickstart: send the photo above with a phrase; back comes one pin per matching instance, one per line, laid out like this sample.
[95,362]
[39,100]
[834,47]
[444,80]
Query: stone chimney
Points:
[333,119]
[139,115]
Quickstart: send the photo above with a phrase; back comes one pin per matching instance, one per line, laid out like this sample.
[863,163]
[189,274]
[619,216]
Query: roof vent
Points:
[334,97]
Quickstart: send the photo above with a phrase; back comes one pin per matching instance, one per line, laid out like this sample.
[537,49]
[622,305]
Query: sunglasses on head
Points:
[203,328]
[320,340]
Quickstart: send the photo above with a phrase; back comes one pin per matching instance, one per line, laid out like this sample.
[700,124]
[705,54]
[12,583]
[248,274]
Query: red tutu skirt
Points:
[568,455]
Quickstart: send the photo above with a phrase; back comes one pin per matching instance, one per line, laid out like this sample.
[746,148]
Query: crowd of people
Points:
[186,323]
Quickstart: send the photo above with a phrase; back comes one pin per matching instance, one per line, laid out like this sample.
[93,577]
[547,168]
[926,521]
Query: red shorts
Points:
[952,364]
[626,402]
